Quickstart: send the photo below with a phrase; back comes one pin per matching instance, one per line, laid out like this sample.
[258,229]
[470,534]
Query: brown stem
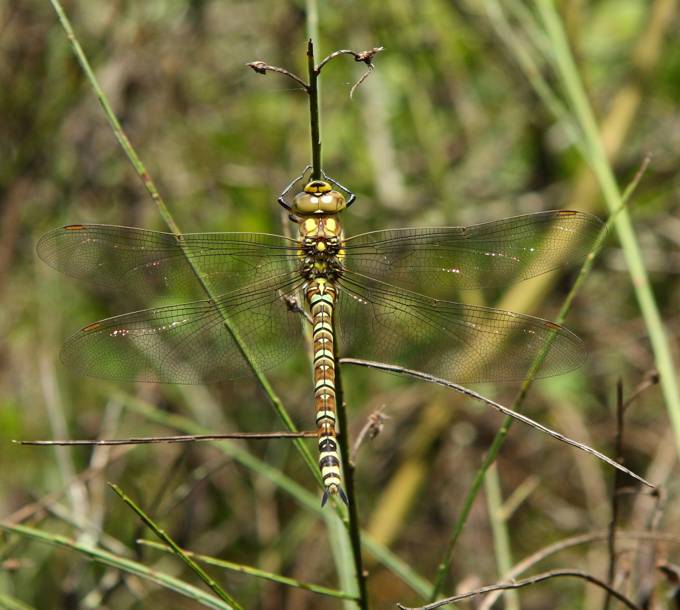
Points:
[532,580]
[184,438]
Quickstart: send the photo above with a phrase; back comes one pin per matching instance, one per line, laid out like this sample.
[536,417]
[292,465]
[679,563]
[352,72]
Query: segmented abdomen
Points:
[320,294]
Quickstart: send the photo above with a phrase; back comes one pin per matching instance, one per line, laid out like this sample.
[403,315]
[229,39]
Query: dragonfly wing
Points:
[488,254]
[199,342]
[150,262]
[460,343]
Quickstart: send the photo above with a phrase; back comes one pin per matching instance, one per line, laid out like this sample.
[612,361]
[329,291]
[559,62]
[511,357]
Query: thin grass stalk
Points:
[499,528]
[528,582]
[163,535]
[568,73]
[11,603]
[313,37]
[353,528]
[256,572]
[169,220]
[123,564]
[348,471]
[314,122]
[502,433]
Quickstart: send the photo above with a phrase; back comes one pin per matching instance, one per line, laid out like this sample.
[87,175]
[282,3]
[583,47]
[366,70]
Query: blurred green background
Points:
[447,130]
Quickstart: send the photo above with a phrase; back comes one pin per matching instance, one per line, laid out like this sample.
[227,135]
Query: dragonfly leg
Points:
[351,196]
[282,197]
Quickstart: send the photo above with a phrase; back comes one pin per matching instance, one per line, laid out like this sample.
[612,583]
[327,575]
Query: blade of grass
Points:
[11,603]
[501,538]
[251,571]
[123,564]
[575,91]
[198,570]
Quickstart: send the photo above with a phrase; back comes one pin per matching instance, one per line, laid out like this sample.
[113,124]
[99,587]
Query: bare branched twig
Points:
[532,580]
[311,88]
[362,56]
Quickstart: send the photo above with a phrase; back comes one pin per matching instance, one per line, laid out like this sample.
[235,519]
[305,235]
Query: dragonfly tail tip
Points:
[337,491]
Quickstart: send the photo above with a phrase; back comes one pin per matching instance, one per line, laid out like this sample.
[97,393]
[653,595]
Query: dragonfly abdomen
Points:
[320,295]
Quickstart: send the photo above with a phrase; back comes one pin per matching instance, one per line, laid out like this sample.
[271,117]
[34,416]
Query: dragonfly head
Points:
[318,197]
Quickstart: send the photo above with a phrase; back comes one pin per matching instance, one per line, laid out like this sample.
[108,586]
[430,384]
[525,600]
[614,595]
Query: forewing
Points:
[151,262]
[440,260]
[192,343]
[460,343]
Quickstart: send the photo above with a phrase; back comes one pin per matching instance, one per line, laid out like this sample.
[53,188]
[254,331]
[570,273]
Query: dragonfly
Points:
[375,296]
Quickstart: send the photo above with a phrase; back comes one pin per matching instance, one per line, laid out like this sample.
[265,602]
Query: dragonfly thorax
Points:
[321,248]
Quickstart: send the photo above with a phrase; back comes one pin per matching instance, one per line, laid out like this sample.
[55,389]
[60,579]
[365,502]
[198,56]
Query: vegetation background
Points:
[447,130]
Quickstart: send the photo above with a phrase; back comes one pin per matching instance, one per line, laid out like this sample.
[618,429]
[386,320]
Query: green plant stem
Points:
[202,574]
[568,73]
[313,92]
[348,471]
[256,572]
[502,433]
[123,564]
[11,603]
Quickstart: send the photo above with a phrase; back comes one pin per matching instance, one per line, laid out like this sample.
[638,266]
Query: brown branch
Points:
[184,438]
[650,380]
[262,67]
[359,56]
[363,77]
[373,426]
[509,412]
[532,580]
[611,537]
[365,57]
